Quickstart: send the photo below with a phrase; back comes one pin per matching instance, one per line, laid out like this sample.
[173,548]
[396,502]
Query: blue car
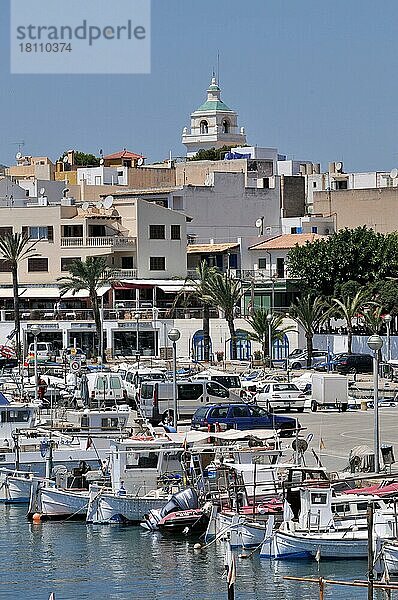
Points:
[241,416]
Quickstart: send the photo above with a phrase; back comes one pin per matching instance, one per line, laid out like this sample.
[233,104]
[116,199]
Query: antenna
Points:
[108,202]
[218,67]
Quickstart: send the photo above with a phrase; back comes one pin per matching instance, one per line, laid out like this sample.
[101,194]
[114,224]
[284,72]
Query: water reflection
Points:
[116,562]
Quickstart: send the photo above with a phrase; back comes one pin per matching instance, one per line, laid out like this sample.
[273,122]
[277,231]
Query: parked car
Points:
[300,361]
[45,352]
[279,394]
[241,416]
[353,363]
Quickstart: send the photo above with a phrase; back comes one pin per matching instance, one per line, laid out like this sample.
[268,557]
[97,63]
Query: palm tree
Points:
[90,275]
[348,308]
[14,248]
[198,288]
[225,292]
[309,313]
[374,318]
[261,328]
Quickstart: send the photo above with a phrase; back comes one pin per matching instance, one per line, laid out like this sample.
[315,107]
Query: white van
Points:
[229,380]
[106,389]
[45,352]
[135,377]
[156,398]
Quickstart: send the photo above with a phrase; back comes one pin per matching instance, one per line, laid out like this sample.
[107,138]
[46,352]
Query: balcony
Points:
[116,242]
[125,273]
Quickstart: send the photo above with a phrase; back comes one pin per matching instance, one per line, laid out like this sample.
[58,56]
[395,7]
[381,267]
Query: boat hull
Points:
[330,545]
[110,508]
[15,488]
[390,556]
[58,504]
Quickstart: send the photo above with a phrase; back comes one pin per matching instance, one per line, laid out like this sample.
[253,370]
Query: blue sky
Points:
[316,79]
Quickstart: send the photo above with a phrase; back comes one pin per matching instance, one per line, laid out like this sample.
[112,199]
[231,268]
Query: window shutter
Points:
[50,233]
[25,230]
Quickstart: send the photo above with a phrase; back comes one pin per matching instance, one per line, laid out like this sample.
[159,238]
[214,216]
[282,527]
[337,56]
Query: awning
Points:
[174,289]
[211,248]
[84,293]
[31,292]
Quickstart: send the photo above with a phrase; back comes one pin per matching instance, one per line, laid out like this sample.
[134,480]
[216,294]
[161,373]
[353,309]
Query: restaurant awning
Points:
[34,292]
[84,293]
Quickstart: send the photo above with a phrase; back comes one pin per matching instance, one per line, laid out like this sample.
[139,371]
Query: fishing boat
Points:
[15,486]
[182,513]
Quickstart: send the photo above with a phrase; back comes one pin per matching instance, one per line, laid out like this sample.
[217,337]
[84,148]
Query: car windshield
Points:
[201,412]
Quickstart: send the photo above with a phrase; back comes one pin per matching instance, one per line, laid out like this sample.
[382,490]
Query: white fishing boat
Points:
[309,529]
[144,474]
[58,503]
[390,556]
[15,486]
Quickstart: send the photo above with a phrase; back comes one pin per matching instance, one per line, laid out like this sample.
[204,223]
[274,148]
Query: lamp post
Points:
[137,326]
[269,321]
[375,343]
[174,336]
[387,320]
[36,331]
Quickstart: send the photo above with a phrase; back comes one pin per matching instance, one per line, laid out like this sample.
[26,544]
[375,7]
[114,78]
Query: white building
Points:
[213,124]
[102,175]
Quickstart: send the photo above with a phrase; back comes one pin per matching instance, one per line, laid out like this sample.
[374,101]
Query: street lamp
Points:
[36,331]
[387,320]
[137,323]
[375,343]
[174,336]
[269,321]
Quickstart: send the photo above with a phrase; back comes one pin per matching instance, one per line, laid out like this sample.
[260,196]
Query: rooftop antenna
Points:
[218,67]
[19,144]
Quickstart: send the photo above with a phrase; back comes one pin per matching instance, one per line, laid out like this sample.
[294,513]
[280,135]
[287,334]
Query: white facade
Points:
[213,124]
[102,175]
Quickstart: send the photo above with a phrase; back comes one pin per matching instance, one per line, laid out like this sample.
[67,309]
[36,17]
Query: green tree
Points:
[225,292]
[83,159]
[351,255]
[260,325]
[349,308]
[198,287]
[15,248]
[310,313]
[90,275]
[211,153]
[373,318]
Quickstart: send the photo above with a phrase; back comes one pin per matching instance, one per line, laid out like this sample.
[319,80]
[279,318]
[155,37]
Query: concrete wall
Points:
[149,213]
[376,208]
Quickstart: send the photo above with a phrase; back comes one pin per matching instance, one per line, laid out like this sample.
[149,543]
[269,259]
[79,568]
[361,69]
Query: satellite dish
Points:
[259,222]
[140,162]
[18,155]
[108,202]
[98,204]
[339,166]
[65,191]
[394,173]
[85,206]
[101,161]
[42,191]
[65,159]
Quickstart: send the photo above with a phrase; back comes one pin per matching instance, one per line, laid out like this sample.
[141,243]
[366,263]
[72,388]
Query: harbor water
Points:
[75,560]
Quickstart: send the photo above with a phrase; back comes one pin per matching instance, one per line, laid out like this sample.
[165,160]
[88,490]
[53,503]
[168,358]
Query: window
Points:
[215,389]
[256,411]
[109,423]
[7,230]
[220,412]
[37,264]
[127,262]
[314,184]
[317,498]
[40,233]
[5,266]
[175,232]
[240,411]
[116,383]
[157,263]
[178,203]
[204,127]
[262,263]
[66,262]
[225,126]
[157,232]
[189,391]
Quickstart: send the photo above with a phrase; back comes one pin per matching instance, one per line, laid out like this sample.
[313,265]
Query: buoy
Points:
[36,518]
[197,546]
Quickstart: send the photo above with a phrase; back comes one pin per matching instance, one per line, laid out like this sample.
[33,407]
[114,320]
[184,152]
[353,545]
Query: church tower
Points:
[213,124]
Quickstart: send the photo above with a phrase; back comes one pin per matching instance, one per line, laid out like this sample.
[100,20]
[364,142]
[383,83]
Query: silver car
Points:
[278,394]
[300,362]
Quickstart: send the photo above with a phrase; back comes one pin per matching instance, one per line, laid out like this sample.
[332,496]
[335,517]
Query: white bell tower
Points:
[213,124]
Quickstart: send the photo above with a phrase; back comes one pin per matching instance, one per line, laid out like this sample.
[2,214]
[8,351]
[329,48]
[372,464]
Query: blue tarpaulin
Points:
[3,400]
